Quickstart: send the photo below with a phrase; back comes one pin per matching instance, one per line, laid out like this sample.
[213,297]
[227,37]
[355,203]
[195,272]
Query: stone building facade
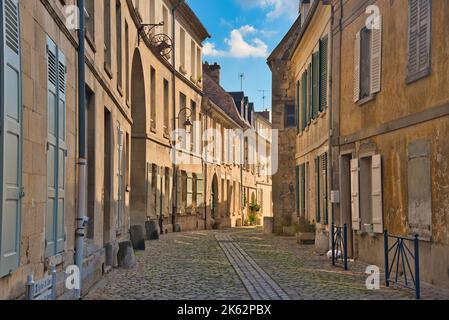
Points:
[131,94]
[386,124]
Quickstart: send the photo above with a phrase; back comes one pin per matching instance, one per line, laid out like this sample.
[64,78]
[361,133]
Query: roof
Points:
[221,98]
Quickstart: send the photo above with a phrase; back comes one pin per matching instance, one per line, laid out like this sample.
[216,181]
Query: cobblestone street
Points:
[239,264]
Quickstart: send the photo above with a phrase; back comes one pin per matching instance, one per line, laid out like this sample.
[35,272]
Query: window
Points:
[199,188]
[199,64]
[166,107]
[298,107]
[290,116]
[189,191]
[419,39]
[128,89]
[304,100]
[90,21]
[118,25]
[182,117]
[194,129]
[183,50]
[56,150]
[193,60]
[107,36]
[366,194]
[153,98]
[165,19]
[368,61]
[11,139]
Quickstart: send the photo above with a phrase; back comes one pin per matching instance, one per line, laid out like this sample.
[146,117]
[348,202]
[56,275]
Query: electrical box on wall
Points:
[335,196]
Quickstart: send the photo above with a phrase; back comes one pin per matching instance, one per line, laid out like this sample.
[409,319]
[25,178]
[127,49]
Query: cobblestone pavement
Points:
[196,265]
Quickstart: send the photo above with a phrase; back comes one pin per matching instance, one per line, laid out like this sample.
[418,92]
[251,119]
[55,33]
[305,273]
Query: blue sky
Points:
[244,33]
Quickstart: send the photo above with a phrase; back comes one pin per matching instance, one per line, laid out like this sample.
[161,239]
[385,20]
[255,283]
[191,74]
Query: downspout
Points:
[329,162]
[175,173]
[82,161]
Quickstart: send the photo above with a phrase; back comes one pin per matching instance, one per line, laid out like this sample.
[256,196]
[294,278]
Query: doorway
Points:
[107,174]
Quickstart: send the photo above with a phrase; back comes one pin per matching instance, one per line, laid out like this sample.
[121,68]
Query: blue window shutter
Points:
[10,138]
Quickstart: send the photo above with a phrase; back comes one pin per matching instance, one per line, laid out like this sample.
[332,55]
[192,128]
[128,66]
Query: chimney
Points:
[213,70]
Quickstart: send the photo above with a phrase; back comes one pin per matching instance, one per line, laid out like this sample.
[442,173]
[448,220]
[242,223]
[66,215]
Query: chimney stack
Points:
[213,70]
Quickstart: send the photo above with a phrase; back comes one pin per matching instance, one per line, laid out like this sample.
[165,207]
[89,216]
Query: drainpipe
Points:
[331,81]
[175,173]
[82,161]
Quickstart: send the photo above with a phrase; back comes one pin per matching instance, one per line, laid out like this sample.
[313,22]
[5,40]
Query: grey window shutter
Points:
[298,107]
[298,207]
[323,72]
[376,57]
[419,39]
[315,84]
[304,101]
[10,138]
[52,148]
[62,152]
[309,93]
[357,67]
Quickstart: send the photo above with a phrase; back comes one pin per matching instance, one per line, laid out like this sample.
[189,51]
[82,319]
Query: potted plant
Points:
[254,213]
[305,231]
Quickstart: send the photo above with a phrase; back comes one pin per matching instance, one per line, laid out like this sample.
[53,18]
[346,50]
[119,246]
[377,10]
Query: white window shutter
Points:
[376,197]
[357,67]
[376,56]
[355,197]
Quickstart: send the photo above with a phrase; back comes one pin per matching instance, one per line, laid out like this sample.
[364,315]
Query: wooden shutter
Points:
[149,191]
[324,163]
[357,67]
[317,190]
[304,101]
[315,84]
[376,198]
[119,175]
[323,72]
[298,107]
[52,147]
[199,190]
[376,56]
[303,190]
[10,138]
[298,191]
[158,191]
[355,204]
[189,200]
[419,39]
[309,94]
[62,152]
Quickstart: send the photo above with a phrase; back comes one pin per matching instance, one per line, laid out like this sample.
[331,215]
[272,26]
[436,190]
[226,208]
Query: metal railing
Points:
[339,236]
[404,265]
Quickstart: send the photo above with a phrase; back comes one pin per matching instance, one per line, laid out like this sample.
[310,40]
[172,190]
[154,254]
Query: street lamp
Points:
[187,124]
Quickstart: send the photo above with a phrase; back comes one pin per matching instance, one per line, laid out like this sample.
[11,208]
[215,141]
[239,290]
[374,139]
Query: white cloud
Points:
[239,46]
[210,51]
[275,8]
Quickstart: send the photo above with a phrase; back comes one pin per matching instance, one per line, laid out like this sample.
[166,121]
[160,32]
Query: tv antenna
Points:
[264,96]
[242,77]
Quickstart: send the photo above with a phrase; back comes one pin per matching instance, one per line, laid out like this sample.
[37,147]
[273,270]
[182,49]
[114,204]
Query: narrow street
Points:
[239,264]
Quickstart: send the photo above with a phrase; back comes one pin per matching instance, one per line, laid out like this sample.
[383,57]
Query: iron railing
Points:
[339,236]
[402,269]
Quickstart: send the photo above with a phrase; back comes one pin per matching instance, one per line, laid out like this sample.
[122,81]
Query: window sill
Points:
[366,100]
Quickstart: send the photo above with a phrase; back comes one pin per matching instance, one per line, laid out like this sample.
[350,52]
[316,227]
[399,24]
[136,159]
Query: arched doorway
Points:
[138,202]
[214,198]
